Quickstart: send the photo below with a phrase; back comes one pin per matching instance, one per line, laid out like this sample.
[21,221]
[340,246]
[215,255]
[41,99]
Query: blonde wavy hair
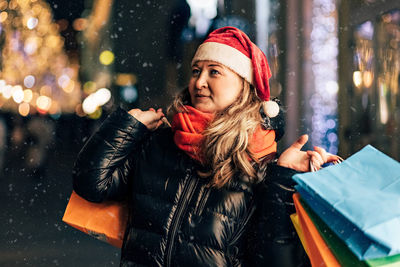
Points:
[226,139]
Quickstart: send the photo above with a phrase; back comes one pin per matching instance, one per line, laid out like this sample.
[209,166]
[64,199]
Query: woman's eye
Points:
[214,72]
[195,72]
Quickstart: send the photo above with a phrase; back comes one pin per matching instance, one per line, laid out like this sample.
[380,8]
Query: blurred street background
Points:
[66,65]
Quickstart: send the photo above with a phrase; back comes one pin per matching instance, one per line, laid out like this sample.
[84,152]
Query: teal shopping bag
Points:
[360,201]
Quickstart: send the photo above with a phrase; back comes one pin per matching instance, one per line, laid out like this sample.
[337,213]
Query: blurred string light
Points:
[35,74]
[324,49]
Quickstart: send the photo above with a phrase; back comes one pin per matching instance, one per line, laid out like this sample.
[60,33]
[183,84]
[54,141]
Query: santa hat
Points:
[234,49]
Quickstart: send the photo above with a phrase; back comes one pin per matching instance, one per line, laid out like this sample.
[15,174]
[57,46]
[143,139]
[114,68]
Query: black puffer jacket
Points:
[175,219]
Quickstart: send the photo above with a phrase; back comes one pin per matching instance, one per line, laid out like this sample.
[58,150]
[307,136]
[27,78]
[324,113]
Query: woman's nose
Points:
[201,81]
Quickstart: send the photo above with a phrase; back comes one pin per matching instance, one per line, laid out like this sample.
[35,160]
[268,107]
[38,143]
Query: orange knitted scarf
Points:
[189,126]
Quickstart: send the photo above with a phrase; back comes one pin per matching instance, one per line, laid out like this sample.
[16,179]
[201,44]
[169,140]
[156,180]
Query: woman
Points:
[209,191]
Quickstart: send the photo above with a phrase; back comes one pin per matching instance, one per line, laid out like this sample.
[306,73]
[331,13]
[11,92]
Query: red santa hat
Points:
[234,49]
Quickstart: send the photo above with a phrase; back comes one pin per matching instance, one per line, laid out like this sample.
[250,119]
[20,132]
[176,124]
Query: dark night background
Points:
[32,232]
[153,42]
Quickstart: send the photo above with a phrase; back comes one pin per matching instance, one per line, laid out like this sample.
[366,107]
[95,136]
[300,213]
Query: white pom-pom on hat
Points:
[271,108]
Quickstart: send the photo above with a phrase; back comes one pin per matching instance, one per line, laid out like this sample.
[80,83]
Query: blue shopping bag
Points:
[360,201]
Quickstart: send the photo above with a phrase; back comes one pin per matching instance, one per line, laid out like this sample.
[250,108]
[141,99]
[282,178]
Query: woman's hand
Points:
[299,160]
[151,118]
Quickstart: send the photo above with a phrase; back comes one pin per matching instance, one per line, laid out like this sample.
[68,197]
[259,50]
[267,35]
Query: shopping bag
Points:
[296,223]
[360,200]
[339,249]
[317,250]
[105,221]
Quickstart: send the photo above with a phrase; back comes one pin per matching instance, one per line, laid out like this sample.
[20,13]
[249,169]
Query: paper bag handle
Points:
[314,169]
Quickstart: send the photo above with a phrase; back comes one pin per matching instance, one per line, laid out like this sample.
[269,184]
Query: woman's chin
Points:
[204,108]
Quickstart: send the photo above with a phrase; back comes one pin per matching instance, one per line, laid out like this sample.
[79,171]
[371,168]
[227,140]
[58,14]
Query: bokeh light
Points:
[23,109]
[93,101]
[33,59]
[89,87]
[367,78]
[3,16]
[106,57]
[28,95]
[324,51]
[29,81]
[69,87]
[7,91]
[17,94]
[89,105]
[80,24]
[43,103]
[63,80]
[129,93]
[357,78]
[32,23]
[103,95]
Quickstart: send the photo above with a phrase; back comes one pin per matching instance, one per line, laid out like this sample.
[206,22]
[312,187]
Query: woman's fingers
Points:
[150,118]
[327,157]
[292,158]
[322,152]
[315,158]
[160,113]
[155,117]
[300,142]
[319,157]
[332,158]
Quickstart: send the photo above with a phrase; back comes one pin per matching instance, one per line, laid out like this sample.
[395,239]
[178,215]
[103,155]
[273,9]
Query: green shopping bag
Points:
[340,250]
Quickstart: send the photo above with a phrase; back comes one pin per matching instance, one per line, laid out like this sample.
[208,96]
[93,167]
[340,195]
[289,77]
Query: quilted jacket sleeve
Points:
[104,163]
[272,239]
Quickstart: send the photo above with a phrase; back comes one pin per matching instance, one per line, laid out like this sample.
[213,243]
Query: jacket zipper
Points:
[202,202]
[181,207]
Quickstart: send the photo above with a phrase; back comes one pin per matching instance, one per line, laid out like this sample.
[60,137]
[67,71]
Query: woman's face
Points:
[213,87]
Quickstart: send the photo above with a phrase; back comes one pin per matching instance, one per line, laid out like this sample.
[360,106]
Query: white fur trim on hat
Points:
[228,56]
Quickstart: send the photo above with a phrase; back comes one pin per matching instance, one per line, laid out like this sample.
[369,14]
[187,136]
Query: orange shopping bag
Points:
[317,250]
[105,221]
